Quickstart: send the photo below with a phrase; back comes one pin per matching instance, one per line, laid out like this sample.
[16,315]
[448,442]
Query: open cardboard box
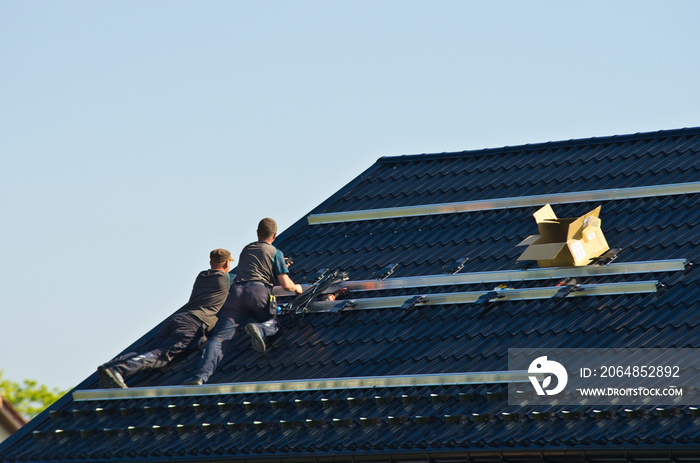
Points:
[564,242]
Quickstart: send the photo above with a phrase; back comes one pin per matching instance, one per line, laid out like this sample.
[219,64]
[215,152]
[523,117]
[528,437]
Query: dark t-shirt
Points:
[208,295]
[260,261]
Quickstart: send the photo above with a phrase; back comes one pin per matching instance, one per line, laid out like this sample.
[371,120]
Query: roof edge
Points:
[538,146]
[10,418]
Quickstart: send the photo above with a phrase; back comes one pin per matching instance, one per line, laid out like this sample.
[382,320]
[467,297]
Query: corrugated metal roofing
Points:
[434,423]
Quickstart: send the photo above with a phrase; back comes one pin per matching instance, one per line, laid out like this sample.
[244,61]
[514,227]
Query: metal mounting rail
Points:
[604,289]
[505,203]
[361,382]
[507,276]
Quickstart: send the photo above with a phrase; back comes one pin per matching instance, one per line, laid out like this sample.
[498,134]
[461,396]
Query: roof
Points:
[10,419]
[481,206]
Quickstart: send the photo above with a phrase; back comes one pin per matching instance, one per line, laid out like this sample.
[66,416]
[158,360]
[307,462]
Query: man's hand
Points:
[287,284]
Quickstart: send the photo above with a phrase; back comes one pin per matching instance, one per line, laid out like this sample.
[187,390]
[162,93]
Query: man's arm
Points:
[287,283]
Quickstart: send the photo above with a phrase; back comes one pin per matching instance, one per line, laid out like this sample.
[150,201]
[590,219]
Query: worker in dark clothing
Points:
[183,329]
[260,266]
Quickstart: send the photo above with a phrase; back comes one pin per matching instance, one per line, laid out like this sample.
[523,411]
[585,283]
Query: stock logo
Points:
[550,368]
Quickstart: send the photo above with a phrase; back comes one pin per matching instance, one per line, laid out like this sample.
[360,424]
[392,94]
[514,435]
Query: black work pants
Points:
[245,301]
[179,333]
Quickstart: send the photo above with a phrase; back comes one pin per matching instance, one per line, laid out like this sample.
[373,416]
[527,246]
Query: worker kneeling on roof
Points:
[182,330]
[260,266]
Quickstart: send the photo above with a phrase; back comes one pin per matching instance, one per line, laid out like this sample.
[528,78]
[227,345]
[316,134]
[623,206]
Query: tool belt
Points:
[272,305]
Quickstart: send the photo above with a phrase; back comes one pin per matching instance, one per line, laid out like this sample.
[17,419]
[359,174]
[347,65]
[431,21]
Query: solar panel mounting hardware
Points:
[456,266]
[660,287]
[490,296]
[607,257]
[412,302]
[385,272]
[508,294]
[568,286]
[343,305]
[318,275]
[301,302]
[491,204]
[525,264]
[466,278]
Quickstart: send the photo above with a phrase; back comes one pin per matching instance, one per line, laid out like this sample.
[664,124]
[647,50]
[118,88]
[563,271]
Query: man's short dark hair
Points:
[267,228]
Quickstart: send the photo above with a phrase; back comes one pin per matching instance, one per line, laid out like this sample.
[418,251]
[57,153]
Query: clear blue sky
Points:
[137,136]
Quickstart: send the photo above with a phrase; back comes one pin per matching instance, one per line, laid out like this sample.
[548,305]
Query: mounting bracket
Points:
[412,302]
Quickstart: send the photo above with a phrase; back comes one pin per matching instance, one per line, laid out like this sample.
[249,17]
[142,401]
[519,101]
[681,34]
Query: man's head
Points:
[220,259]
[267,230]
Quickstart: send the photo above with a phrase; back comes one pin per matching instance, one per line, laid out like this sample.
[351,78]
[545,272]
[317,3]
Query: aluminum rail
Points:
[361,382]
[505,203]
[470,297]
[507,276]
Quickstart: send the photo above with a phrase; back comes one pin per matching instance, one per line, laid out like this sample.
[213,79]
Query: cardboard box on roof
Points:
[564,242]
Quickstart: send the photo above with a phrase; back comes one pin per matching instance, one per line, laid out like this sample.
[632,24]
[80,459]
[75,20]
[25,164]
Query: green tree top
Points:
[29,398]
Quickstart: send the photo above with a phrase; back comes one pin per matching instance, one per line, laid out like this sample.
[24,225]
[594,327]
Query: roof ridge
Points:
[538,146]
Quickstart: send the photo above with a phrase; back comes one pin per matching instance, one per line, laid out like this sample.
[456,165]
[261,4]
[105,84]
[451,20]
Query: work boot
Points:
[194,381]
[256,336]
[110,378]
